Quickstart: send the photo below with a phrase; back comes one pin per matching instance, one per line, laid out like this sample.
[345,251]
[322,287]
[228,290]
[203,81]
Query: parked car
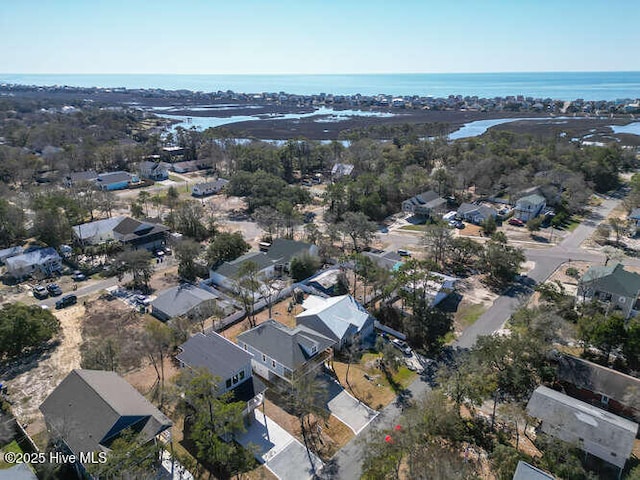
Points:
[78,276]
[66,301]
[457,224]
[404,253]
[40,292]
[517,222]
[402,346]
[54,290]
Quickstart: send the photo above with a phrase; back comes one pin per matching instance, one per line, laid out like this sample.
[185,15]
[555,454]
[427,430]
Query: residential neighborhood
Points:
[209,308]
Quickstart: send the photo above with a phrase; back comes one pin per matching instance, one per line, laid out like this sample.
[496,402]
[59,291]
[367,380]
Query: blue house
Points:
[115,180]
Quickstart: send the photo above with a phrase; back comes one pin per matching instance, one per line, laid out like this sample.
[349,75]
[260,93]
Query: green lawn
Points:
[11,447]
[414,228]
[469,313]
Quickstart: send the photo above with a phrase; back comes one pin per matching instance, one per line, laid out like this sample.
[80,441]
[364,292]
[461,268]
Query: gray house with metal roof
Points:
[476,213]
[45,261]
[529,207]
[91,408]
[595,431]
[229,364]
[281,353]
[611,285]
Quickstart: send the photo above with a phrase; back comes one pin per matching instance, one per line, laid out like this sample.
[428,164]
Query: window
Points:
[264,358]
[228,383]
[273,363]
[241,375]
[605,400]
[314,349]
[246,347]
[235,379]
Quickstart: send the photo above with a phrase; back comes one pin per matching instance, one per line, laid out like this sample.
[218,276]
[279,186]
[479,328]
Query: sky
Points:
[318,36]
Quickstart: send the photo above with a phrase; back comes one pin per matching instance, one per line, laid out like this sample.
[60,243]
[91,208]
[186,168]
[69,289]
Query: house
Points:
[477,214]
[229,364]
[115,180]
[136,235]
[597,385]
[156,171]
[188,166]
[611,285]
[126,230]
[10,252]
[272,262]
[341,170]
[96,232]
[425,204]
[19,471]
[209,188]
[524,471]
[435,286]
[75,178]
[529,207]
[326,281]
[283,354]
[186,300]
[634,221]
[341,318]
[599,433]
[388,260]
[91,408]
[44,261]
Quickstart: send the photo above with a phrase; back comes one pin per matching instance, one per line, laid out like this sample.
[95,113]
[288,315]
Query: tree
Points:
[138,264]
[226,247]
[158,342]
[359,228]
[214,420]
[534,224]
[601,235]
[303,266]
[489,225]
[504,460]
[464,253]
[104,354]
[427,327]
[436,239]
[189,217]
[186,252]
[618,227]
[249,286]
[11,224]
[502,261]
[25,327]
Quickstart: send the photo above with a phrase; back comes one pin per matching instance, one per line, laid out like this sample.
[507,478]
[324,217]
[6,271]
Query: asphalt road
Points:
[347,463]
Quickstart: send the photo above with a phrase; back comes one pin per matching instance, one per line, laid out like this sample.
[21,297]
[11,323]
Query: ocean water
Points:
[555,85]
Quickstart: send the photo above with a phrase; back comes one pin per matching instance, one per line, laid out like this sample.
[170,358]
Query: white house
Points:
[43,260]
[341,318]
[436,287]
[97,232]
[209,188]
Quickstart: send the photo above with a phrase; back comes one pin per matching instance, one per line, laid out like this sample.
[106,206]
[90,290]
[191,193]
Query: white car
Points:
[402,346]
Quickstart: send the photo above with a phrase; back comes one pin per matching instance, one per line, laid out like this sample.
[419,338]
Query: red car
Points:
[516,222]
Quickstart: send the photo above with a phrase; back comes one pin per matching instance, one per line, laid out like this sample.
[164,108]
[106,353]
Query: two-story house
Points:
[611,285]
[529,207]
[126,230]
[283,354]
[229,364]
[341,318]
[426,204]
[209,188]
[43,261]
[156,171]
[477,214]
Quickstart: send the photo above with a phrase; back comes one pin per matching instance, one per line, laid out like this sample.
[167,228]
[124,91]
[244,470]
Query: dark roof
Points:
[288,346]
[598,379]
[524,471]
[130,229]
[179,300]
[87,176]
[90,408]
[114,177]
[219,183]
[248,389]
[613,279]
[280,252]
[220,356]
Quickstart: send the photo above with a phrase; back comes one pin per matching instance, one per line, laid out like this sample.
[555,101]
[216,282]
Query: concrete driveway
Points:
[282,453]
[354,414]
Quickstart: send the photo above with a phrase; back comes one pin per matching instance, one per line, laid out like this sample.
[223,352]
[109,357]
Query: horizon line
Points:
[326,74]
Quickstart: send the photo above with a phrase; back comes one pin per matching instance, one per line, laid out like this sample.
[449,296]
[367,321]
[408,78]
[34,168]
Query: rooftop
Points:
[179,300]
[220,356]
[613,278]
[337,313]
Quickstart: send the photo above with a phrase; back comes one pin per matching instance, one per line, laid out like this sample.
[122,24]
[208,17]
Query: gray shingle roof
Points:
[613,279]
[339,314]
[283,344]
[598,379]
[524,471]
[280,252]
[220,356]
[534,199]
[90,408]
[179,300]
[599,433]
[113,177]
